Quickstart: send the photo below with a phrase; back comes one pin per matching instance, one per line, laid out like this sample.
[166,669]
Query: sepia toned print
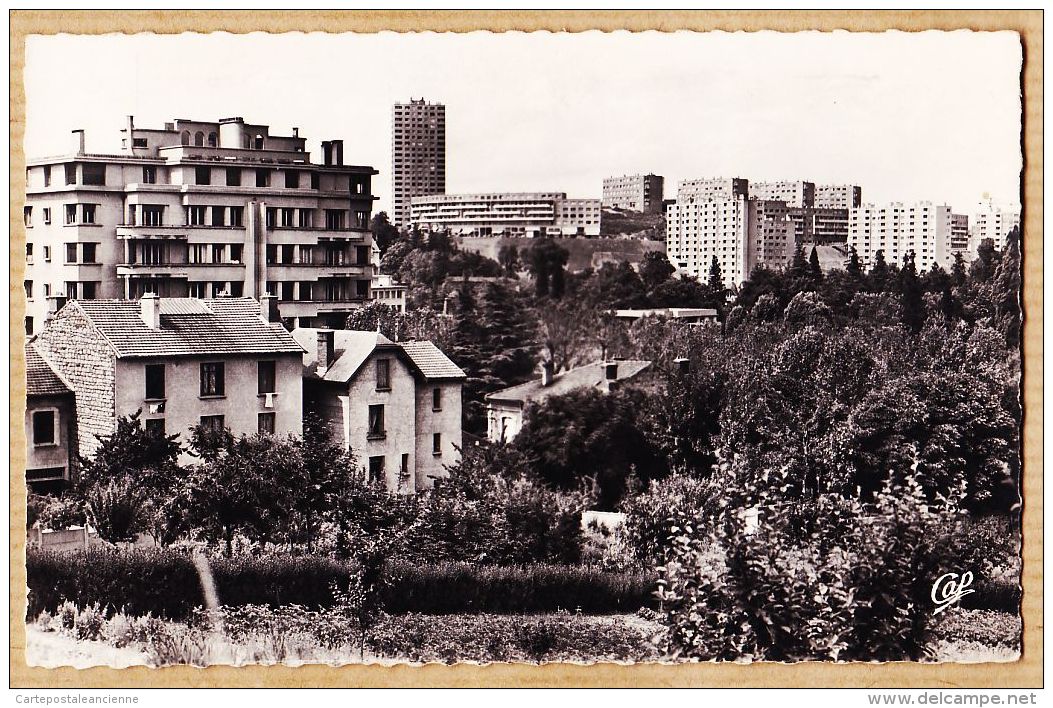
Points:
[595,406]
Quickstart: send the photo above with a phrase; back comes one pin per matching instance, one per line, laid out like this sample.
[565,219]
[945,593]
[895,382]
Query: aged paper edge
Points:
[1027,672]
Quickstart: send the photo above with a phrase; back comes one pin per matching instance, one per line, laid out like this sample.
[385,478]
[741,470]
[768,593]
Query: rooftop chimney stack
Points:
[54,304]
[548,372]
[326,349]
[338,149]
[296,132]
[327,152]
[610,370]
[78,138]
[150,310]
[269,308]
[131,135]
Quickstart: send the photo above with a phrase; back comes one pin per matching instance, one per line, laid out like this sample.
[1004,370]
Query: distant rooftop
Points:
[353,347]
[588,376]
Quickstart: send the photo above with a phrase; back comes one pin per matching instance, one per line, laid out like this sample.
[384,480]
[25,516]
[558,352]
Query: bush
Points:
[653,517]
[163,582]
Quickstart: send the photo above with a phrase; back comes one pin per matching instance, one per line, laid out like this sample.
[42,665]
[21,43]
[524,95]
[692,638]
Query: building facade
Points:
[714,218]
[200,209]
[51,425]
[183,362]
[898,229]
[522,214]
[387,292]
[992,222]
[819,225]
[960,235]
[796,194]
[642,193]
[397,407]
[838,196]
[418,155]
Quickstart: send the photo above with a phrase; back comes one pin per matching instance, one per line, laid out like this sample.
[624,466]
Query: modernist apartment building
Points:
[200,209]
[819,225]
[181,361]
[960,235]
[838,196]
[387,292]
[505,408]
[51,425]
[418,154]
[714,218]
[992,222]
[897,229]
[642,193]
[529,214]
[397,407]
[797,193]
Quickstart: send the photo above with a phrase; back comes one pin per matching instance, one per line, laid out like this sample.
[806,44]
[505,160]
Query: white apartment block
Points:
[897,229]
[741,233]
[418,154]
[642,193]
[794,193]
[838,196]
[200,209]
[960,234]
[714,188]
[521,214]
[995,223]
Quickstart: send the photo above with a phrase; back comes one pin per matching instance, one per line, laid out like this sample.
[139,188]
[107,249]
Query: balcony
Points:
[314,271]
[311,308]
[314,234]
[194,271]
[234,156]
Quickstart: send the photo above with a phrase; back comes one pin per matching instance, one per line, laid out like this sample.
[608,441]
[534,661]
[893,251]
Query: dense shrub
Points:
[652,517]
[164,582]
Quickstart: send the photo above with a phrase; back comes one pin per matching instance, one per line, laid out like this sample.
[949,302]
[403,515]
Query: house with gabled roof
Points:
[51,425]
[396,406]
[182,361]
[505,409]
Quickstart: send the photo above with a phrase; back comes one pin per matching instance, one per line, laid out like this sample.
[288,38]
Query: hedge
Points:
[165,583]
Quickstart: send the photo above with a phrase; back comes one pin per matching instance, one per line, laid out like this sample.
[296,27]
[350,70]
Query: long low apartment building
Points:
[897,229]
[642,193]
[201,209]
[714,218]
[523,214]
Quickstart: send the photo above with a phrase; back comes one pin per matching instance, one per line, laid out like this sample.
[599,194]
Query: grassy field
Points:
[583,251]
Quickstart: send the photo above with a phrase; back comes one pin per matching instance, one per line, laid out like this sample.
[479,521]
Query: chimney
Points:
[131,134]
[683,365]
[79,140]
[55,303]
[338,149]
[150,310]
[610,370]
[326,349]
[296,132]
[547,372]
[269,308]
[327,152]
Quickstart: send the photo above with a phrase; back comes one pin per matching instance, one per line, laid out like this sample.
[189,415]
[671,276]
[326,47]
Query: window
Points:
[235,252]
[265,426]
[153,215]
[202,175]
[71,253]
[404,469]
[237,287]
[436,399]
[263,178]
[155,427]
[212,379]
[29,325]
[196,253]
[29,252]
[196,215]
[71,213]
[315,181]
[376,421]
[28,284]
[27,215]
[436,444]
[47,252]
[213,423]
[292,179]
[376,469]
[306,218]
[71,289]
[233,177]
[46,213]
[288,217]
[272,254]
[218,252]
[154,253]
[71,173]
[87,290]
[383,374]
[334,219]
[271,216]
[139,143]
[88,252]
[306,255]
[217,215]
[155,381]
[266,376]
[306,289]
[149,175]
[196,290]
[47,175]
[44,428]
[237,216]
[88,211]
[93,174]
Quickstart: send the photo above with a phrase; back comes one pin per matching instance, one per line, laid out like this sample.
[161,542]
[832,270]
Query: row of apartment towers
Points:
[207,209]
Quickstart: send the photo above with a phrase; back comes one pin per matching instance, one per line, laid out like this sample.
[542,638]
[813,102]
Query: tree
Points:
[617,286]
[130,451]
[508,257]
[1005,294]
[912,306]
[983,268]
[716,278]
[116,508]
[879,272]
[384,232]
[852,266]
[327,471]
[546,261]
[799,265]
[815,271]
[655,269]
[684,291]
[391,261]
[565,331]
[958,272]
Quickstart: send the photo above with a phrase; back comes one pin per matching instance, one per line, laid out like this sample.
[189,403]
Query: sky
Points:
[908,116]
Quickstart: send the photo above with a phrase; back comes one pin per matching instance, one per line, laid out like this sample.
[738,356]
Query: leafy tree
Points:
[799,264]
[716,278]
[394,256]
[566,332]
[983,268]
[547,261]
[808,309]
[327,471]
[116,508]
[958,272]
[1005,294]
[684,291]
[655,269]
[384,232]
[912,306]
[508,257]
[617,286]
[130,451]
[879,272]
[852,266]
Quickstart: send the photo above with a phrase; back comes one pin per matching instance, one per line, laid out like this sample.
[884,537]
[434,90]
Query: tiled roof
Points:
[430,361]
[588,376]
[352,348]
[41,379]
[189,327]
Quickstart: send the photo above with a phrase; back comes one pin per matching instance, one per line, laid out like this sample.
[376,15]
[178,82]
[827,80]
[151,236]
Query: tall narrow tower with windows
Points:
[418,154]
